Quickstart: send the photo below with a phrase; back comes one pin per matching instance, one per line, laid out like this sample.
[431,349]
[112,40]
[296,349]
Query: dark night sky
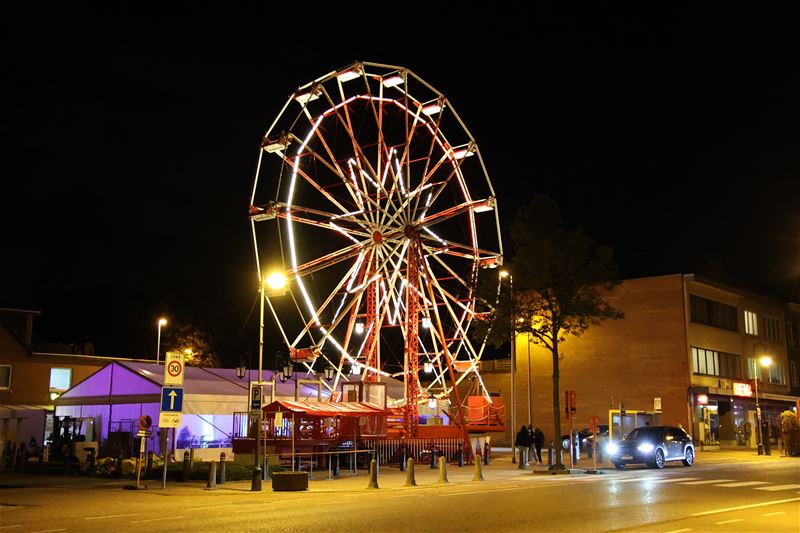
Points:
[132,138]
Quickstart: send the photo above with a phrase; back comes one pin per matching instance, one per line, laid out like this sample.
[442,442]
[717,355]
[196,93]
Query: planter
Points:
[289,481]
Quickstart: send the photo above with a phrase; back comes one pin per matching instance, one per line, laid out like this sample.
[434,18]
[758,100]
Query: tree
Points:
[195,343]
[559,277]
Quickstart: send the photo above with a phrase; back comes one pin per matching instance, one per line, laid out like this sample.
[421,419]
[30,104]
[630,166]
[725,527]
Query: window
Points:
[60,379]
[5,377]
[713,313]
[772,328]
[775,372]
[713,363]
[750,323]
[794,374]
[790,333]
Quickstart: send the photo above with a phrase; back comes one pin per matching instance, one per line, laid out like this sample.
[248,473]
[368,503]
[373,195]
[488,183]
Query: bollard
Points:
[550,456]
[478,471]
[187,466]
[148,472]
[442,471]
[486,453]
[212,476]
[410,479]
[222,463]
[433,457]
[90,461]
[118,466]
[191,456]
[336,471]
[403,459]
[373,475]
[461,457]
[522,458]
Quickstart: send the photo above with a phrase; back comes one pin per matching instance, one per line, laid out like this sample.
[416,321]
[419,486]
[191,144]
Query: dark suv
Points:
[585,439]
[653,446]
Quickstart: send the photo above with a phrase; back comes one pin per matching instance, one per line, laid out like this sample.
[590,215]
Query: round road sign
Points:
[145,422]
[174,368]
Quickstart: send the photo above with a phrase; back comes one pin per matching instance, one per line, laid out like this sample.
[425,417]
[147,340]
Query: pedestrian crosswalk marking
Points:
[776,513]
[706,482]
[779,487]
[729,521]
[674,480]
[743,484]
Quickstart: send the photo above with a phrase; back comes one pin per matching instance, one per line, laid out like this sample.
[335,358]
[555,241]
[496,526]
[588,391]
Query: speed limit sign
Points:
[173,368]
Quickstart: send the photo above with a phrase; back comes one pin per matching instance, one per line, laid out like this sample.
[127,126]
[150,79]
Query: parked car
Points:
[653,446]
[585,439]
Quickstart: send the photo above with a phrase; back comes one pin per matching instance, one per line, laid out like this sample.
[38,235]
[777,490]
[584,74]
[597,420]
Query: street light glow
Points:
[276,280]
[162,321]
[765,360]
[504,273]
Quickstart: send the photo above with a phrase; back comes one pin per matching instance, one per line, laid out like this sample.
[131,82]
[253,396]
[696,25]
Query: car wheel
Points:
[619,466]
[658,459]
[688,457]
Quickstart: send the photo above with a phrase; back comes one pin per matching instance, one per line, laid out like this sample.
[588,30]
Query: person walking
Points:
[531,449]
[523,444]
[538,442]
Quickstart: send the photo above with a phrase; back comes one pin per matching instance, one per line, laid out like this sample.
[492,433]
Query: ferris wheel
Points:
[385,219]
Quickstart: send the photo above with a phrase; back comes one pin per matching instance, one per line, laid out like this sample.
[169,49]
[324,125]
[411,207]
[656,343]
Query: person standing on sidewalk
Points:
[531,449]
[538,442]
[523,444]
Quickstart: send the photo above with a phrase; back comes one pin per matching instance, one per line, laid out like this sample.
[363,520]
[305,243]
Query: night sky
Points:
[131,139]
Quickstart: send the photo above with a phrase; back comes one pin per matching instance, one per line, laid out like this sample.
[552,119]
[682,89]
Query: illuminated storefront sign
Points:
[742,389]
[702,399]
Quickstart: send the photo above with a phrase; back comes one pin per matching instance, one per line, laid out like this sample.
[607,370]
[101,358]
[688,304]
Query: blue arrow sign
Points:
[171,399]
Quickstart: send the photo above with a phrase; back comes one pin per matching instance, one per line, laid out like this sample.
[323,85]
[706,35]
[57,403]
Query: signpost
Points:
[171,413]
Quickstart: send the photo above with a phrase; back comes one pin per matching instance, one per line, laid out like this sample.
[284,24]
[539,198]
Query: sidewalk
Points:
[389,477]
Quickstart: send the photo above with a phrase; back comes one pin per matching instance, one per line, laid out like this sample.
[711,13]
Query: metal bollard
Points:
[191,456]
[118,466]
[433,457]
[551,456]
[486,453]
[461,456]
[90,460]
[403,459]
[148,473]
[212,476]
[411,481]
[187,466]
[222,463]
[336,471]
[373,475]
[443,470]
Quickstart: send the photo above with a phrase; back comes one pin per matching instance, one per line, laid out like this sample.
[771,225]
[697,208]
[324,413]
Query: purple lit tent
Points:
[118,394]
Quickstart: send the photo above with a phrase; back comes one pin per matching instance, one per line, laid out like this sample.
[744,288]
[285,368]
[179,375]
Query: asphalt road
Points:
[741,496]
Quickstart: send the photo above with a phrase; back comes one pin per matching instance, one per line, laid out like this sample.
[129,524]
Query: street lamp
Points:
[161,322]
[329,372]
[275,281]
[765,361]
[507,274]
[241,370]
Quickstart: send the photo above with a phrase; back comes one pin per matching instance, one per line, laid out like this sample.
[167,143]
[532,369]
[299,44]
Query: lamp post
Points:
[275,282]
[765,361]
[507,274]
[161,322]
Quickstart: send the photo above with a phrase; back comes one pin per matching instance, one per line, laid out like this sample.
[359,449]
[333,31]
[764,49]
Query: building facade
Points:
[686,353]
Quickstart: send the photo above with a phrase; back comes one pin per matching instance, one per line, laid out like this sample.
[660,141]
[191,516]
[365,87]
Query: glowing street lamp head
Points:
[765,360]
[162,321]
[359,328]
[276,280]
[188,351]
[504,273]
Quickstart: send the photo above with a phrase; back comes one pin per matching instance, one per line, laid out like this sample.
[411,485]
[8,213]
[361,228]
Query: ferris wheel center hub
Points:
[410,231]
[377,237]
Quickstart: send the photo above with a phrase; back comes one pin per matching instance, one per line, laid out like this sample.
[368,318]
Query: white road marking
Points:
[208,507]
[729,521]
[776,513]
[156,519]
[679,530]
[706,481]
[674,480]
[9,527]
[649,478]
[743,484]
[50,530]
[109,516]
[779,487]
[751,506]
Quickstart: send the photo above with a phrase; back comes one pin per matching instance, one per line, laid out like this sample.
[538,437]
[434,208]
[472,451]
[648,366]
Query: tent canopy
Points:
[324,408]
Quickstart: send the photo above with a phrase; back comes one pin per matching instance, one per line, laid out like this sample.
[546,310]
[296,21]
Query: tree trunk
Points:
[556,410]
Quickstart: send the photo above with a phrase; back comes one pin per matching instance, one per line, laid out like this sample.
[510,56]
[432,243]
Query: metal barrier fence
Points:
[390,451]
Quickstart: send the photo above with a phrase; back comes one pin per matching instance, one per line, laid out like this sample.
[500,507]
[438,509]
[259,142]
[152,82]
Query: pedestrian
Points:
[538,442]
[523,443]
[531,449]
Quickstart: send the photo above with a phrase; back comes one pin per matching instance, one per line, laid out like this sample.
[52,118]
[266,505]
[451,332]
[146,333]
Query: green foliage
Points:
[790,428]
[184,337]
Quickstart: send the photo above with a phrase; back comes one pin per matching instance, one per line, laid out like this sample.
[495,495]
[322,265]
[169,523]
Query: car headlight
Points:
[646,447]
[612,448]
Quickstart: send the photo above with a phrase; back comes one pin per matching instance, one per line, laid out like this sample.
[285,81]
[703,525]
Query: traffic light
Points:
[569,397]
